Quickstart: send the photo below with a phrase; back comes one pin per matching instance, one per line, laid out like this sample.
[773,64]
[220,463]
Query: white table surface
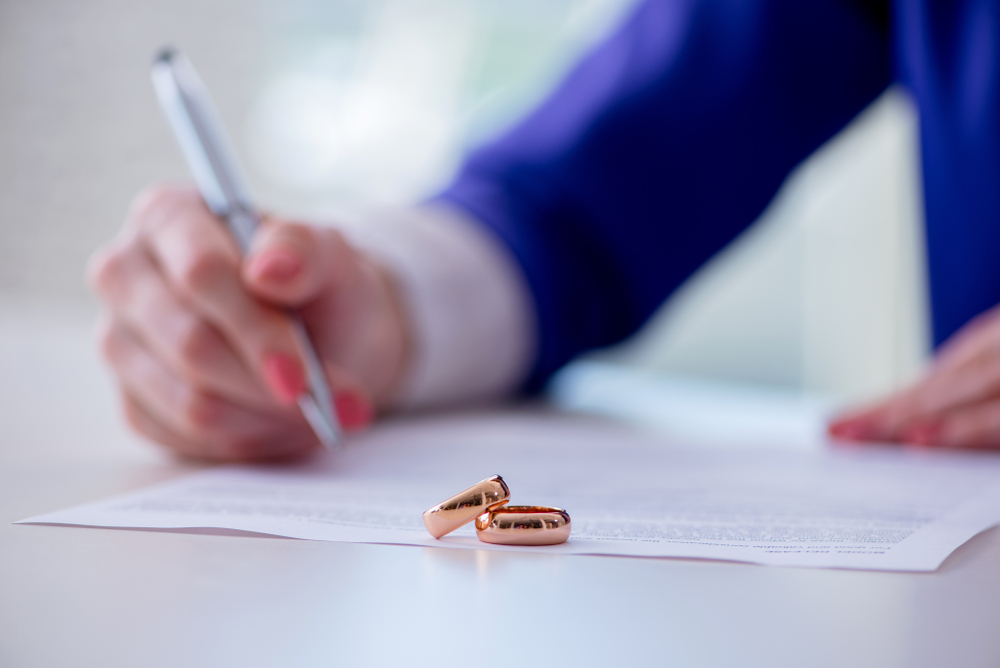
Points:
[97,597]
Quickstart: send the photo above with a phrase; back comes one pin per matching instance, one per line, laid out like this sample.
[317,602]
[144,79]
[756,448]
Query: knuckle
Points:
[204,270]
[970,430]
[198,344]
[154,198]
[980,429]
[110,342]
[309,236]
[160,203]
[295,238]
[133,416]
[106,270]
[240,448]
[339,243]
[202,412]
[345,259]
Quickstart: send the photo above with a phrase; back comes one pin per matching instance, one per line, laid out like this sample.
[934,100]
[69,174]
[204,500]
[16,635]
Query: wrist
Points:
[399,330]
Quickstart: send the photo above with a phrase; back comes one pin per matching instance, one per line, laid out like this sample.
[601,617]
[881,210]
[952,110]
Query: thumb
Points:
[291,264]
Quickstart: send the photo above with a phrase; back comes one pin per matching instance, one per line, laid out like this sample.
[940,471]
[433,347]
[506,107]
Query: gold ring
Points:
[465,506]
[524,525]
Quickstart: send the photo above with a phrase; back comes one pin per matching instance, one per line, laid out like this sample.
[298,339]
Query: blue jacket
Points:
[672,136]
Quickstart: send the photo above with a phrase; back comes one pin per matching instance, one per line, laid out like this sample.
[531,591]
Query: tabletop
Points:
[100,597]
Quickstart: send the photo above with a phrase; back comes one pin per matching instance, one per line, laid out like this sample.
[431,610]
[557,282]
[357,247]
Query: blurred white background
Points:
[340,104]
[332,104]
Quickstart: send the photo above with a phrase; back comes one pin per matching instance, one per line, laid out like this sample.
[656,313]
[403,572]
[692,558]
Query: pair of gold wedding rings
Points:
[496,522]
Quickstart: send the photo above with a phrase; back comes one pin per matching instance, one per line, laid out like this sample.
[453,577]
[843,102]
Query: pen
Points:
[211,159]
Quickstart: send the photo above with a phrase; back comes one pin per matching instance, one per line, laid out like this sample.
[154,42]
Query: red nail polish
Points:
[276,265]
[849,431]
[285,376]
[838,429]
[354,411]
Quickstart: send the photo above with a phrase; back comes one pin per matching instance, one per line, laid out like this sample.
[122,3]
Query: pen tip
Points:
[165,54]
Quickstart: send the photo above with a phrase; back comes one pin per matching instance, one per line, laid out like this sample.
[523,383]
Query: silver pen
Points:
[186,103]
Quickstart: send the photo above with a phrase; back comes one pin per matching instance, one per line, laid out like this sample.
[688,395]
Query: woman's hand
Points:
[956,404]
[201,346]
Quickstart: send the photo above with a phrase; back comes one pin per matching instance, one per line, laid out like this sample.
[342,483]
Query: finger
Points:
[139,419]
[941,391]
[354,407]
[164,200]
[975,427]
[291,264]
[862,424]
[143,422]
[300,265]
[219,428]
[972,427]
[201,263]
[964,372]
[138,295]
[979,337]
[923,432]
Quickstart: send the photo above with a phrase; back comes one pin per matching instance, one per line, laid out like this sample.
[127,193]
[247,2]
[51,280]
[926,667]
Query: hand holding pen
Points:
[203,341]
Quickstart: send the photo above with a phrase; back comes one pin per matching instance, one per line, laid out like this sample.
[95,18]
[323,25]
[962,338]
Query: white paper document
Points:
[629,493]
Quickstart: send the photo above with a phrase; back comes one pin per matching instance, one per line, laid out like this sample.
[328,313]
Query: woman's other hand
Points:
[956,404]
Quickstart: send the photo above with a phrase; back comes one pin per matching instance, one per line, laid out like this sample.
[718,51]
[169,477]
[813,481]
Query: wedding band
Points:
[466,506]
[524,525]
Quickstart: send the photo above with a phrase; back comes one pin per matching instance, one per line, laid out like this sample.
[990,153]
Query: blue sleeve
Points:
[660,147]
[947,53]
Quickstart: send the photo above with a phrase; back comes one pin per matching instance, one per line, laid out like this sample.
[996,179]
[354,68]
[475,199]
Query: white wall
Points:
[330,103]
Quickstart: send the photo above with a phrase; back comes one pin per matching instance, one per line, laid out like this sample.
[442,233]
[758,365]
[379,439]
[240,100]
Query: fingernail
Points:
[285,376]
[354,411]
[275,264]
[851,430]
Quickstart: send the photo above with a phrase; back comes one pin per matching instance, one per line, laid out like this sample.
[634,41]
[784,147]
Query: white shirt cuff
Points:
[473,317]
